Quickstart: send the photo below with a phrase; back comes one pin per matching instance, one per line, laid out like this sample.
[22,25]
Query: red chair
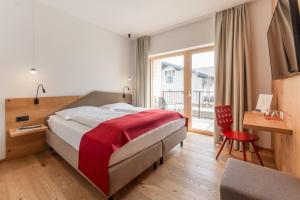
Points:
[224,121]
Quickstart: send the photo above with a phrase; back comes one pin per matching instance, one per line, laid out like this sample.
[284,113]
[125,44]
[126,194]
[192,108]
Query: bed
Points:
[129,161]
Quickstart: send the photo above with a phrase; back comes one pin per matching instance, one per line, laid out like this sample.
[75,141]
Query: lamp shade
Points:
[33,70]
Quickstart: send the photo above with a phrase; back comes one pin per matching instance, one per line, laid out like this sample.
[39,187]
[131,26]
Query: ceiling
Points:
[140,17]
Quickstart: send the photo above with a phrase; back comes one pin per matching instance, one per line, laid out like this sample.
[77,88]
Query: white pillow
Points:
[67,114]
[131,110]
[117,106]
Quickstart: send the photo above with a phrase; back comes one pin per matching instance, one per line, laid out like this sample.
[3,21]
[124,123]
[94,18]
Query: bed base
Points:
[133,166]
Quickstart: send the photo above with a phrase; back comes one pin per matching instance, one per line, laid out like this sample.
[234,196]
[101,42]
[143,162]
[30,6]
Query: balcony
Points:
[202,107]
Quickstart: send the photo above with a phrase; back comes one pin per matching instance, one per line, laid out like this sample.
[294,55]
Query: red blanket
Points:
[97,145]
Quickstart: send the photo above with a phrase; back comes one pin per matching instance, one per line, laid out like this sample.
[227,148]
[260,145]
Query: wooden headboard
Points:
[38,114]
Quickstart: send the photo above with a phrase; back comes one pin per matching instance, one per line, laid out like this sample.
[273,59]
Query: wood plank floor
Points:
[190,172]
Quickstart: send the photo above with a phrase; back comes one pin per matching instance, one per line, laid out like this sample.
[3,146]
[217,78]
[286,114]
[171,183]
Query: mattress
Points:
[71,132]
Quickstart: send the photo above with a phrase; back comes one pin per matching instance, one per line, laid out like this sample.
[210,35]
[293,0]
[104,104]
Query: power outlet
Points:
[22,118]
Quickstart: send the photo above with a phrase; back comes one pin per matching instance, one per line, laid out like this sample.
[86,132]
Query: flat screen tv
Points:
[284,39]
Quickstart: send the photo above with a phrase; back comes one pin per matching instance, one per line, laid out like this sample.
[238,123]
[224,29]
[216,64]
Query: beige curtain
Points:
[142,84]
[232,61]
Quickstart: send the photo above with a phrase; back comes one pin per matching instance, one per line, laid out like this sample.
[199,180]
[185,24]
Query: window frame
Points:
[187,80]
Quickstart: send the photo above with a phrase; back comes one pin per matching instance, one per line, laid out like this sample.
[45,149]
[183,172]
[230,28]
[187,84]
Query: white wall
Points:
[88,56]
[73,56]
[195,34]
[15,55]
[260,13]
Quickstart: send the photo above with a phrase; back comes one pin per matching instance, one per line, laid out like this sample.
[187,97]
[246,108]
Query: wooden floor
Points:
[190,172]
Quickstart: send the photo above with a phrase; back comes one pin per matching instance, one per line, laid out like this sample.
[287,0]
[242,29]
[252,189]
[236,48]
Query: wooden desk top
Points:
[256,121]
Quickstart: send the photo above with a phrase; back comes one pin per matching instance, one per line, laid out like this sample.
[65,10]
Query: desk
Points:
[256,121]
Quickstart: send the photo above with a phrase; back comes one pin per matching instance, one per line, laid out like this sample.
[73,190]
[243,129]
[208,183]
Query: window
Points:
[169,76]
[167,83]
[184,82]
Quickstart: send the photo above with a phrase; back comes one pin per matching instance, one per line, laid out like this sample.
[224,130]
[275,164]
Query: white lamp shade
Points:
[33,70]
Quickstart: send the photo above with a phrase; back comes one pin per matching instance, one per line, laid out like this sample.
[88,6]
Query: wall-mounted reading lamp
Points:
[36,100]
[125,88]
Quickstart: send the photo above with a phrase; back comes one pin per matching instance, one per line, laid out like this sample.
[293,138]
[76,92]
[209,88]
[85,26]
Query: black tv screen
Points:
[284,39]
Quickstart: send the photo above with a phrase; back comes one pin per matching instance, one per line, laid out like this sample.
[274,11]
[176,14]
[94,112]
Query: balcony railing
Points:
[202,102]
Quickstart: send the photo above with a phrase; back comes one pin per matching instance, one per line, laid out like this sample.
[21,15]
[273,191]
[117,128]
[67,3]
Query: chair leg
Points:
[181,144]
[244,151]
[221,148]
[256,151]
[231,145]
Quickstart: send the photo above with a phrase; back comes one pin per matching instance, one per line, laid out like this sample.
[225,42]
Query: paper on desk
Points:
[264,102]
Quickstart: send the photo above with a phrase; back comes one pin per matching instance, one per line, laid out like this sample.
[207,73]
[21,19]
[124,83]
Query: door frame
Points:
[187,57]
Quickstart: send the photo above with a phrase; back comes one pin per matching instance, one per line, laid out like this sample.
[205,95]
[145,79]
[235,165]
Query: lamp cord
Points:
[33,35]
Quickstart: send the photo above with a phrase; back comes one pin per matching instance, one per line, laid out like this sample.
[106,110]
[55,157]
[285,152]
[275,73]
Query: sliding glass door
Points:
[202,88]
[167,83]
[184,82]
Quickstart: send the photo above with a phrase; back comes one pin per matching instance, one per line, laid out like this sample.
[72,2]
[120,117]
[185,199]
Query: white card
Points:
[264,102]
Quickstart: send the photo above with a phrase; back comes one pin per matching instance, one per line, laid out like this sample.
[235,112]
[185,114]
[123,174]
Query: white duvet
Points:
[70,125]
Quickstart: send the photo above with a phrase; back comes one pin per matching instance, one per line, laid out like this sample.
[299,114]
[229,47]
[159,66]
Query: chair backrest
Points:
[224,118]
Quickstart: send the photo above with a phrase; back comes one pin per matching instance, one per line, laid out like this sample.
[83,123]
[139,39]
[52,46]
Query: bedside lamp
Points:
[36,100]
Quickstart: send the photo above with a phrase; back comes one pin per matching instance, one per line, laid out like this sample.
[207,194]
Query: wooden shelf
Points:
[256,121]
[15,133]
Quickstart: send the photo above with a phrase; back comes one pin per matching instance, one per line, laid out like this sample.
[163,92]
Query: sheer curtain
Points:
[232,61]
[142,83]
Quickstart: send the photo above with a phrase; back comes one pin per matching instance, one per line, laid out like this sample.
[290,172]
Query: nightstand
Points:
[25,142]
